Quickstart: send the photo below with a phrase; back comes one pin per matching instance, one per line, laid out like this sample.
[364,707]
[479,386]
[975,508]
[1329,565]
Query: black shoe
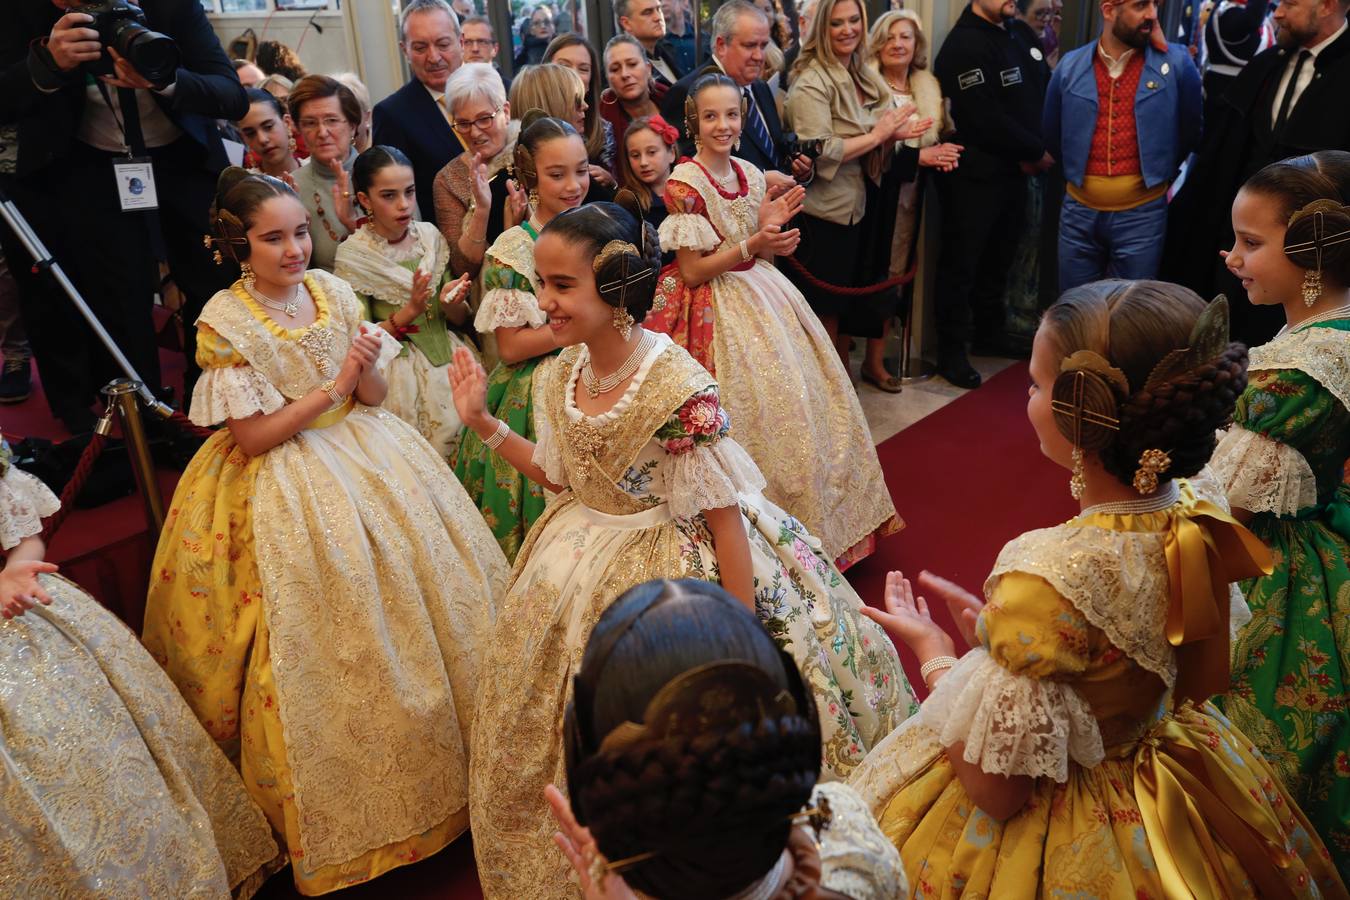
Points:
[16,382]
[959,371]
[1009,346]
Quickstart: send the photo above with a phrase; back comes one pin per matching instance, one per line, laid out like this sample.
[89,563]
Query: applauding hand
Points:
[907,619]
[456,291]
[468,383]
[579,847]
[361,356]
[780,210]
[421,293]
[962,604]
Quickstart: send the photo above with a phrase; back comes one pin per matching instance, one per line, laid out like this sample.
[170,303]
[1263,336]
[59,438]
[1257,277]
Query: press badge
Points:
[135,183]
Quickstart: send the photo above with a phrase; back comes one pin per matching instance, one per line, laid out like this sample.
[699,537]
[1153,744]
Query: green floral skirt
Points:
[1291,664]
[510,502]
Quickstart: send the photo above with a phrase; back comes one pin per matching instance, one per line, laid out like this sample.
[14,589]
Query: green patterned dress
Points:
[510,502]
[1284,460]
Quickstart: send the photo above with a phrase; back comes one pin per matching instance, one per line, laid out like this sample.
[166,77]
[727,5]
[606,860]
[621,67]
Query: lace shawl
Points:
[1262,474]
[1323,353]
[365,261]
[24,502]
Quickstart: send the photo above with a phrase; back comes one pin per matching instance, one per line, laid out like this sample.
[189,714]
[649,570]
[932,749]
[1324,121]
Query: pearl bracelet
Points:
[498,437]
[936,664]
[745,251]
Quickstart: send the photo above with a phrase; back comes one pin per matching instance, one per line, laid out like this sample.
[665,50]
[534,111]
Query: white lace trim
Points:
[1323,353]
[1260,474]
[508,308]
[233,392]
[370,265]
[1012,724]
[621,405]
[1117,579]
[710,477]
[24,502]
[687,231]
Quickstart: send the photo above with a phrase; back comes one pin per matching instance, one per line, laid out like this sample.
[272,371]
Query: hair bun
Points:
[1318,238]
[1085,399]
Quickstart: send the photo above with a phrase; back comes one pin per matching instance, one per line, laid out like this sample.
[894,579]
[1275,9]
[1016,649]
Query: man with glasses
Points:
[480,43]
[414,118]
[1120,116]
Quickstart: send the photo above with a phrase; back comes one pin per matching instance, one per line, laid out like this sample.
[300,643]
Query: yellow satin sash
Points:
[334,415]
[1206,550]
[1187,800]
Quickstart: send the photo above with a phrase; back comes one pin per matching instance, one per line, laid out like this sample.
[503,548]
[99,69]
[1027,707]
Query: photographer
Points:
[82,109]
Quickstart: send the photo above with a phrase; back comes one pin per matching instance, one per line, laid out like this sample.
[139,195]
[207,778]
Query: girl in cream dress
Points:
[322,581]
[653,487]
[108,785]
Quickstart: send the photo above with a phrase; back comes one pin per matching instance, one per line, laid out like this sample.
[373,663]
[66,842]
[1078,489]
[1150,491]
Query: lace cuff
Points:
[710,476]
[508,308]
[1261,474]
[24,502]
[1012,724]
[686,231]
[233,392]
[389,347]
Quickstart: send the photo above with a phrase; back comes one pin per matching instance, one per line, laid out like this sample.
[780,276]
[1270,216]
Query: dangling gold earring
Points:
[1076,483]
[291,144]
[1312,286]
[533,199]
[698,144]
[623,322]
[738,144]
[246,273]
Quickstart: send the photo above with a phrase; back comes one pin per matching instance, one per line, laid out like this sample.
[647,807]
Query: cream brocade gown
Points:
[109,787]
[320,605]
[792,405]
[637,479]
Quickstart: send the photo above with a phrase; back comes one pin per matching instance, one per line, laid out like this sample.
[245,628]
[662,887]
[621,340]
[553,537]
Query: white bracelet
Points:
[745,252]
[498,437]
[936,664]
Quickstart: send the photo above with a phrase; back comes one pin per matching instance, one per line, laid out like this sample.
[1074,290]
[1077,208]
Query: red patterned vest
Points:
[1115,141]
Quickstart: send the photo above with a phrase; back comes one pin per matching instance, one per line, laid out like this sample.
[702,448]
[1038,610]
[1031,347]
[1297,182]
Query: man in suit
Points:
[72,129]
[414,118]
[1288,101]
[740,35]
[646,21]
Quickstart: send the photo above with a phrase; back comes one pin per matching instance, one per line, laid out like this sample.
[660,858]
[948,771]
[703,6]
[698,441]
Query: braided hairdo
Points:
[713,807]
[592,226]
[1134,325]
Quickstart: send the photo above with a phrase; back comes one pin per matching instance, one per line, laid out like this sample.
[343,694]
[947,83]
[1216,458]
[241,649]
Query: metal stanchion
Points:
[122,393]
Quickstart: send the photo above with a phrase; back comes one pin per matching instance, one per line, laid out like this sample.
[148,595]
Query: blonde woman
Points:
[900,53]
[578,54]
[560,92]
[839,98]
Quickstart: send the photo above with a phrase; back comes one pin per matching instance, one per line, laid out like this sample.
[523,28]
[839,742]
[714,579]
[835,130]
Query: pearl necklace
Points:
[289,307]
[1340,312]
[1136,507]
[597,386]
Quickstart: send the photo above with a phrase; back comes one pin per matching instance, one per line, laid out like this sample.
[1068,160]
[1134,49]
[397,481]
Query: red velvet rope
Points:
[863,291]
[187,425]
[75,484]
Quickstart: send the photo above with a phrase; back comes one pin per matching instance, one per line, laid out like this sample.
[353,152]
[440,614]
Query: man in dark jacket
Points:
[1288,101]
[993,70]
[72,129]
[414,118]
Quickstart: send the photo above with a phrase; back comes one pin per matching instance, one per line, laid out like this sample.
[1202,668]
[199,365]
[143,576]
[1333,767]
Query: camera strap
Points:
[129,122]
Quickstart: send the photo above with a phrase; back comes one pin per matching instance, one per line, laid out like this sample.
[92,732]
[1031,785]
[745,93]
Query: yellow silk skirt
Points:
[1190,811]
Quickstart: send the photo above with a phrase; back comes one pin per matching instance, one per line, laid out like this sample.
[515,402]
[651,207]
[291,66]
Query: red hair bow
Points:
[664,130]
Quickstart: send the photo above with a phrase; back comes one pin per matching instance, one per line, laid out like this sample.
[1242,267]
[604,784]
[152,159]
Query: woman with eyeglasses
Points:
[535,40]
[471,191]
[328,115]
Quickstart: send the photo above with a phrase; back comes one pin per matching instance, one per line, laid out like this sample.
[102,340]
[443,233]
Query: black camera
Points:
[793,147]
[121,26]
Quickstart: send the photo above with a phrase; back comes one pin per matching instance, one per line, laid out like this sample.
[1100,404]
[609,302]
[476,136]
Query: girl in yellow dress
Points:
[108,785]
[322,580]
[1073,751]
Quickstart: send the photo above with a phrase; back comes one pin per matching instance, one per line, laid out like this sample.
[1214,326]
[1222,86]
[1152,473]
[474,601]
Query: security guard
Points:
[993,71]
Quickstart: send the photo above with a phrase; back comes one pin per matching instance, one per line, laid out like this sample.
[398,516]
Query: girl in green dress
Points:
[1282,464]
[551,162]
[398,269]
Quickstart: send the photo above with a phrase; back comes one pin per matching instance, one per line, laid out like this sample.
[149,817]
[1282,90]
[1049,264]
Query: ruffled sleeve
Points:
[508,300]
[708,470]
[229,388]
[1011,701]
[856,858]
[24,503]
[686,226]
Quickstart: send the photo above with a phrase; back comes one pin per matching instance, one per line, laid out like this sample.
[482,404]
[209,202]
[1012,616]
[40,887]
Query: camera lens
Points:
[154,55]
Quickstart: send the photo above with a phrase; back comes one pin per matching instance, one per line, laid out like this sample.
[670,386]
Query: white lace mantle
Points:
[24,502]
[1012,724]
[1323,353]
[367,262]
[1261,474]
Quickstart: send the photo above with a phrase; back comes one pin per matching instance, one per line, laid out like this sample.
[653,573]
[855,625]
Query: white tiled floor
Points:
[889,414]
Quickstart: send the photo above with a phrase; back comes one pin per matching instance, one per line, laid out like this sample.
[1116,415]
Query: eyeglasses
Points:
[477,42]
[332,123]
[482,123]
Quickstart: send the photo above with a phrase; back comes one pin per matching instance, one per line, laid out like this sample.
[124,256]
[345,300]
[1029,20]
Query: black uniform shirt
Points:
[995,79]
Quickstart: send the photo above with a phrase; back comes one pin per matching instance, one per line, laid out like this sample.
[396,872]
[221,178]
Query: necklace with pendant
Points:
[289,307]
